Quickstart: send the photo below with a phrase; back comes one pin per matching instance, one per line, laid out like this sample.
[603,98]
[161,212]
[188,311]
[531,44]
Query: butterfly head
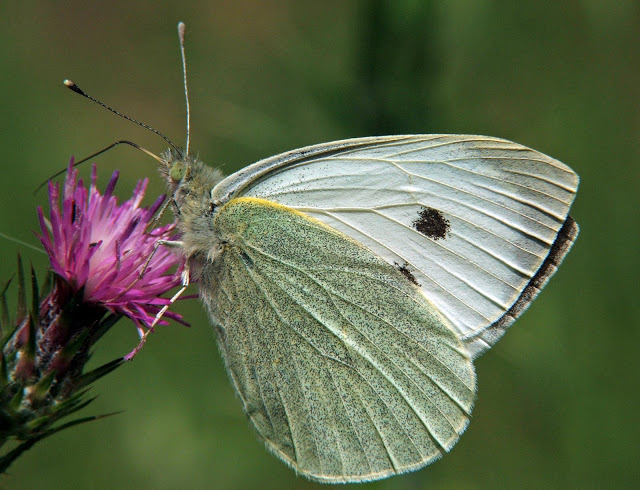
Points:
[175,168]
[189,180]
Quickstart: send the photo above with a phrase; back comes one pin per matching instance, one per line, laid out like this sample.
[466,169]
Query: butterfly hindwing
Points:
[342,365]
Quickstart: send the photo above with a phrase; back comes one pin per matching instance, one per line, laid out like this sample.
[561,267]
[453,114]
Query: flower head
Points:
[101,246]
[106,265]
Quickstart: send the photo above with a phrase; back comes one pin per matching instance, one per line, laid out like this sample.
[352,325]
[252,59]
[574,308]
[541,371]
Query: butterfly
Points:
[351,284]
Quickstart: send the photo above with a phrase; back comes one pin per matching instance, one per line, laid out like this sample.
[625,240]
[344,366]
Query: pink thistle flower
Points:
[105,265]
[101,246]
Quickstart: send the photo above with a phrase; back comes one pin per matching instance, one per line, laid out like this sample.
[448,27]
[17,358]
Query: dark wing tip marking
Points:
[431,223]
[566,236]
[406,272]
[564,240]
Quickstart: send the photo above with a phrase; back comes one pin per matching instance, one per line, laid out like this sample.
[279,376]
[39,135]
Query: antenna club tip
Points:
[71,85]
[181,29]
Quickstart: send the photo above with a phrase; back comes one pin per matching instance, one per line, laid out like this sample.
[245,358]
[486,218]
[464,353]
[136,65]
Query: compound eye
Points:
[178,171]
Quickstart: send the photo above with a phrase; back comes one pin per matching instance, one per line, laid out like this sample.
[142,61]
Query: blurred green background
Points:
[558,396]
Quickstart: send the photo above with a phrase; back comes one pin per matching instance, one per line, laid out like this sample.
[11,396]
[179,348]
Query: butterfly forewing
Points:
[343,366]
[469,219]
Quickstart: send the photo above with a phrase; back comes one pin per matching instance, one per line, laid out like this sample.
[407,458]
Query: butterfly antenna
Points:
[181,28]
[72,86]
[93,155]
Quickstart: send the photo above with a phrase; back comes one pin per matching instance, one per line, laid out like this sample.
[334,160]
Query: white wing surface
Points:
[479,223]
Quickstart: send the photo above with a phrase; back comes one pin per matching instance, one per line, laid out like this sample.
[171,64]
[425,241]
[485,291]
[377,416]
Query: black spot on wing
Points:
[431,223]
[404,268]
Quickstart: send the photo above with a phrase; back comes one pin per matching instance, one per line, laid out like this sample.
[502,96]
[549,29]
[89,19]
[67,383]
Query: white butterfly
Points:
[351,284]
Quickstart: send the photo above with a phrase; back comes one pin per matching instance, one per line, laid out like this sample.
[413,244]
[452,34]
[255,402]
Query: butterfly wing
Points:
[479,223]
[343,367]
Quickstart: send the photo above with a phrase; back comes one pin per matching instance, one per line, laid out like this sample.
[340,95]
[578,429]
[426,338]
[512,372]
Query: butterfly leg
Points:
[159,215]
[185,283]
[159,243]
[166,243]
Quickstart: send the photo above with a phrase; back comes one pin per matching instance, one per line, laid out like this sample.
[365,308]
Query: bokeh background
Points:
[558,396]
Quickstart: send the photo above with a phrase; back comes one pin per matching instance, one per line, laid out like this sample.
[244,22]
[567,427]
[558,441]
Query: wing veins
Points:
[443,141]
[369,360]
[240,394]
[548,212]
[567,188]
[264,254]
[390,325]
[376,347]
[432,356]
[445,391]
[401,141]
[340,393]
[515,269]
[323,355]
[493,177]
[277,380]
[391,457]
[276,377]
[464,259]
[508,170]
[401,370]
[328,211]
[526,218]
[437,182]
[286,322]
[423,272]
[493,300]
[498,179]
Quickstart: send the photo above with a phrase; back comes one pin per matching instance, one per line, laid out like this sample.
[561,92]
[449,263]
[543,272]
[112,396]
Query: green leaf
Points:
[72,407]
[69,405]
[65,356]
[41,389]
[15,402]
[88,378]
[11,456]
[30,348]
[105,324]
[37,424]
